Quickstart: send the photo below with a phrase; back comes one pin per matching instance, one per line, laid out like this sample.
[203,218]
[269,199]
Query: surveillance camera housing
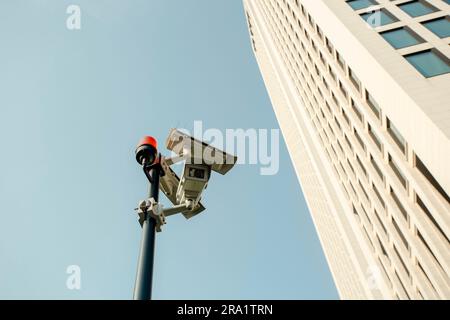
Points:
[200,159]
[169,184]
[198,152]
[193,181]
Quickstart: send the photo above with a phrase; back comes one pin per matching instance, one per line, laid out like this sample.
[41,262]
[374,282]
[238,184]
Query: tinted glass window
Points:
[417,8]
[378,18]
[429,63]
[440,27]
[360,4]
[401,38]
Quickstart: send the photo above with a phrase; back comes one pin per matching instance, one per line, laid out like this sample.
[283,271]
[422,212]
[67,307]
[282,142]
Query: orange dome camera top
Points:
[147,150]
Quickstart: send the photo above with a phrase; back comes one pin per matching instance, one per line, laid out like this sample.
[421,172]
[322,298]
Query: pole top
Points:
[148,140]
[146,151]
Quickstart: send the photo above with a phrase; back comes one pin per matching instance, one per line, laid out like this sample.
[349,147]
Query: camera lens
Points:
[197,173]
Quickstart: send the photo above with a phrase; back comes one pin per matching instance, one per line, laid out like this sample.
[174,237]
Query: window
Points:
[319,33]
[373,104]
[328,107]
[440,26]
[322,59]
[349,144]
[333,75]
[355,212]
[314,46]
[404,265]
[427,175]
[354,79]
[329,46]
[400,233]
[344,114]
[340,60]
[364,192]
[361,4]
[362,166]
[311,20]
[343,90]
[325,83]
[397,172]
[429,63]
[368,238]
[342,151]
[351,168]
[379,18]
[399,204]
[375,138]
[383,251]
[400,281]
[360,141]
[381,222]
[417,8]
[337,122]
[356,110]
[396,136]
[381,201]
[426,276]
[419,235]
[401,38]
[430,216]
[420,295]
[377,168]
[334,98]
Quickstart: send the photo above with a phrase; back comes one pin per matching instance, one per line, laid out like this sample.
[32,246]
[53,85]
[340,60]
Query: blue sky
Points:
[73,106]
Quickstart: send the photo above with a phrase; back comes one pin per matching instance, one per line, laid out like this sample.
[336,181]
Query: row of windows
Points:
[414,8]
[429,62]
[370,101]
[441,27]
[358,160]
[325,134]
[250,28]
[400,207]
[395,134]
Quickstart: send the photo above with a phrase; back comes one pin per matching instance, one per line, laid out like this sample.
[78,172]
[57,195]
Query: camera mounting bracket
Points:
[158,212]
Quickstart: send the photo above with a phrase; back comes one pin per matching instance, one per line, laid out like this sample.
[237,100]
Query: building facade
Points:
[361,90]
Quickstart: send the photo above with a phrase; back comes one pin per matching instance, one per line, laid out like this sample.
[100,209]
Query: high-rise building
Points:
[361,90]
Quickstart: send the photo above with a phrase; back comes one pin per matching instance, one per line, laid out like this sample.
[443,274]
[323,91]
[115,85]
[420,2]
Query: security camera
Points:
[169,185]
[199,158]
[198,152]
[193,181]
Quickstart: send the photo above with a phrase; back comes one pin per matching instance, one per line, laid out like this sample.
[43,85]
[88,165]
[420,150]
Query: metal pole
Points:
[144,276]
